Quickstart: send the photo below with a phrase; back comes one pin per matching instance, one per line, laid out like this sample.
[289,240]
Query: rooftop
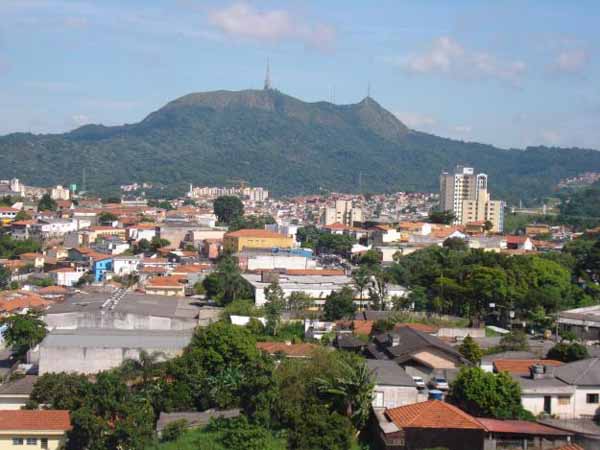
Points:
[255,233]
[521,366]
[132,302]
[432,414]
[581,373]
[389,373]
[112,338]
[19,386]
[519,427]
[302,350]
[35,420]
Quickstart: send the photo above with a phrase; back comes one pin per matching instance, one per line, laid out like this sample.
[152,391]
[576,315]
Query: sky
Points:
[507,73]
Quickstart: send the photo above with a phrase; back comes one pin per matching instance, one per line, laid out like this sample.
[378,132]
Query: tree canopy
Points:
[228,208]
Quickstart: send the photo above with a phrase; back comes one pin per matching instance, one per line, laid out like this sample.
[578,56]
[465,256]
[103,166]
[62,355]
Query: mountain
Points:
[271,139]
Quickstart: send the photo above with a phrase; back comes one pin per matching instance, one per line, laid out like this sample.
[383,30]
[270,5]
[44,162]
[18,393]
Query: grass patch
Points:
[200,439]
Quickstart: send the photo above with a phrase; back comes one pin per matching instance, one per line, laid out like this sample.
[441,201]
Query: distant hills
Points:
[271,139]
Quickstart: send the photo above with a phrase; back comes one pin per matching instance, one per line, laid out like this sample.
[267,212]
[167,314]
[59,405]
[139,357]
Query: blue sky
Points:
[509,73]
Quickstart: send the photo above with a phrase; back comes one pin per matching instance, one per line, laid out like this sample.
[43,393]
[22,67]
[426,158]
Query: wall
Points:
[118,320]
[394,396]
[89,360]
[535,405]
[267,262]
[12,402]
[54,442]
[581,407]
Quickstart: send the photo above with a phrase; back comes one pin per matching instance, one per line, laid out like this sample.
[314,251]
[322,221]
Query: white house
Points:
[125,265]
[393,386]
[67,276]
[52,228]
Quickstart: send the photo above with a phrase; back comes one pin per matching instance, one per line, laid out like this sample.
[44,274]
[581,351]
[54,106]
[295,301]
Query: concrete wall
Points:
[54,442]
[270,262]
[581,407]
[12,402]
[394,396]
[89,360]
[535,405]
[118,320]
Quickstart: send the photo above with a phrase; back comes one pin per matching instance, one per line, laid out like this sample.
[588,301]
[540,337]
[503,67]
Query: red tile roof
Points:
[521,366]
[302,350]
[432,414]
[569,447]
[255,233]
[363,327]
[35,420]
[430,329]
[171,281]
[519,427]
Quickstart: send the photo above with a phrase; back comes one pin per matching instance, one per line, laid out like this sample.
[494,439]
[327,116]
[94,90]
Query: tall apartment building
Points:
[343,212]
[466,194]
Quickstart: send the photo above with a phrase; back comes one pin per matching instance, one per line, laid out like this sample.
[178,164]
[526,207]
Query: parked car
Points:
[419,382]
[439,383]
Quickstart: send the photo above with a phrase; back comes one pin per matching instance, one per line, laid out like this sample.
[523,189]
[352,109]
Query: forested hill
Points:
[292,147]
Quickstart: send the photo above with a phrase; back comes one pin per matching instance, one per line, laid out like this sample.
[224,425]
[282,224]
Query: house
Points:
[67,276]
[171,286]
[511,434]
[393,386]
[522,366]
[487,362]
[101,265]
[14,394]
[584,322]
[7,215]
[41,428]
[112,245]
[519,243]
[427,425]
[21,229]
[244,239]
[301,350]
[125,265]
[420,354]
[35,259]
[52,228]
[142,231]
[570,391]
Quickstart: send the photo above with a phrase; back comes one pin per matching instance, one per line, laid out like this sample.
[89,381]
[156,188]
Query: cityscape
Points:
[245,269]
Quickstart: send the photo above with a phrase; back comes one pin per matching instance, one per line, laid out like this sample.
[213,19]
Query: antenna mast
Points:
[268,77]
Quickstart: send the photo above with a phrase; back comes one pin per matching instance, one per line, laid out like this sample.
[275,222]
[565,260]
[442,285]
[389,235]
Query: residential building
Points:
[584,322]
[419,353]
[125,265]
[142,231]
[7,215]
[237,241]
[37,428]
[21,229]
[67,276]
[429,424]
[343,212]
[14,394]
[170,286]
[91,234]
[393,386]
[100,266]
[53,228]
[465,194]
[60,193]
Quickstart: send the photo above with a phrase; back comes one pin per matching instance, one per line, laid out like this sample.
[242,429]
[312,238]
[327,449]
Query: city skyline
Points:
[511,75]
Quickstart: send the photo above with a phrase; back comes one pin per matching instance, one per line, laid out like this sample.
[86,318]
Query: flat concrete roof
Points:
[112,338]
[304,281]
[132,302]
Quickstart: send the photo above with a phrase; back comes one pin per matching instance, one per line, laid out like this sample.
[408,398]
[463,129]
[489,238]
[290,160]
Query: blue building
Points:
[101,266]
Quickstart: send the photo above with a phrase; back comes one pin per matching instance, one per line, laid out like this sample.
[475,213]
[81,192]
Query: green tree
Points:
[457,244]
[275,303]
[339,305]
[378,289]
[318,429]
[46,203]
[107,218]
[441,217]
[515,341]
[228,208]
[470,350]
[350,390]
[370,258]
[486,394]
[173,431]
[226,283]
[61,391]
[299,301]
[361,278]
[239,433]
[568,352]
[23,331]
[418,298]
[22,215]
[4,278]
[157,243]
[145,367]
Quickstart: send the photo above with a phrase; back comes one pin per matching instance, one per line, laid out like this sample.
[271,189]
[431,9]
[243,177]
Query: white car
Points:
[419,382]
[440,384]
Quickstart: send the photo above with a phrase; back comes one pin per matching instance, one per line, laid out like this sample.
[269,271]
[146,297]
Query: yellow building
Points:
[246,239]
[43,429]
[90,235]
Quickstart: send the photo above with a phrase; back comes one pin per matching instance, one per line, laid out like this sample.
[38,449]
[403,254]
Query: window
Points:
[44,442]
[17,441]
[377,399]
[592,398]
[564,400]
[31,441]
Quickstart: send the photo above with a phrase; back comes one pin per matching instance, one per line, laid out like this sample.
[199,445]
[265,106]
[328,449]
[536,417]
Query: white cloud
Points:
[80,119]
[416,120]
[448,57]
[241,19]
[571,61]
[462,129]
[550,137]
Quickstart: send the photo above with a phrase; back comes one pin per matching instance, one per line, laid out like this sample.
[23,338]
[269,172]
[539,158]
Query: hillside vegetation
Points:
[290,146]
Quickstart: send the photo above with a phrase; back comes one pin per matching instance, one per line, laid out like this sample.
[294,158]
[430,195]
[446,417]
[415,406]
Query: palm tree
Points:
[144,367]
[361,278]
[351,391]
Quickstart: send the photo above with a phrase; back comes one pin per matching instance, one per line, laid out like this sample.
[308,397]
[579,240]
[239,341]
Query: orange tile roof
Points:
[521,366]
[191,268]
[24,222]
[302,350]
[8,209]
[519,427]
[569,447]
[170,281]
[363,327]
[35,420]
[255,233]
[432,414]
[52,290]
[15,300]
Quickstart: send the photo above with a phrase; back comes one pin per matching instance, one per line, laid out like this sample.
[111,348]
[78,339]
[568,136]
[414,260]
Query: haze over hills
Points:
[271,139]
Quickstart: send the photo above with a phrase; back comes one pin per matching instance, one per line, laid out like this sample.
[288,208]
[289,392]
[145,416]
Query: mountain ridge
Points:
[290,146]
